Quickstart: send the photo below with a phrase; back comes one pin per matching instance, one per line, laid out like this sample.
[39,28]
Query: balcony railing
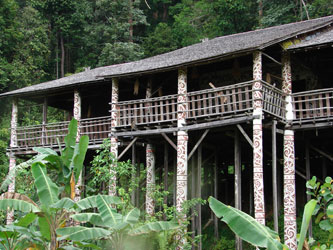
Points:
[313,105]
[204,105]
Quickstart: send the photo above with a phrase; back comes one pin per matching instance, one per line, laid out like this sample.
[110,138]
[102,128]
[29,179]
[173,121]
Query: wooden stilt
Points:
[199,224]
[77,115]
[193,195]
[289,184]
[215,172]
[138,172]
[324,168]
[166,171]
[174,181]
[134,173]
[238,181]
[150,179]
[114,139]
[274,179]
[308,177]
[251,210]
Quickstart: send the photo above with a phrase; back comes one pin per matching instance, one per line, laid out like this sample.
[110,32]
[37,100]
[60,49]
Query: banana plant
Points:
[248,229]
[110,224]
[21,235]
[50,212]
[68,165]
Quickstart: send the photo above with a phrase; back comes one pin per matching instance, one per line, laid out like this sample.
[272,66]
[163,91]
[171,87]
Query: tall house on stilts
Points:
[239,117]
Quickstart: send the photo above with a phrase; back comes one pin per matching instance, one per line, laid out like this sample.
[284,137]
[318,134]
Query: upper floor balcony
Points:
[311,108]
[203,106]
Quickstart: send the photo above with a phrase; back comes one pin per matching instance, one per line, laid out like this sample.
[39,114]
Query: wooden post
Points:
[150,179]
[274,179]
[166,170]
[251,199]
[12,158]
[182,141]
[114,139]
[199,222]
[216,222]
[77,116]
[174,180]
[193,194]
[324,168]
[44,122]
[290,227]
[308,177]
[150,164]
[238,181]
[258,170]
[134,173]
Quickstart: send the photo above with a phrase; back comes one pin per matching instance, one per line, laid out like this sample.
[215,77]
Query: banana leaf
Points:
[80,233]
[307,214]
[157,226]
[90,202]
[246,227]
[47,191]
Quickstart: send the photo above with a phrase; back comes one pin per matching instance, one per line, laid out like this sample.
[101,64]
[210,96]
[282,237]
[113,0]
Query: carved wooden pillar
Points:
[150,180]
[114,139]
[12,159]
[150,162]
[77,116]
[290,230]
[182,139]
[258,170]
[45,104]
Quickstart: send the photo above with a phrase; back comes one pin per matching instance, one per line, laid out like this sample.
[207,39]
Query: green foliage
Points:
[160,41]
[119,52]
[323,193]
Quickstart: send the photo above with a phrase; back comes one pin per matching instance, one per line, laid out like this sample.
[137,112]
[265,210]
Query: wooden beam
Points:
[200,126]
[127,148]
[198,143]
[169,140]
[245,135]
[271,58]
[238,181]
[274,178]
[322,152]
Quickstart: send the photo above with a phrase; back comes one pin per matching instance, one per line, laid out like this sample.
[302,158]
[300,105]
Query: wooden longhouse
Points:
[250,111]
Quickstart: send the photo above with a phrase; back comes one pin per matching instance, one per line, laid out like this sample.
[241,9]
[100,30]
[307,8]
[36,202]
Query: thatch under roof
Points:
[321,39]
[212,49]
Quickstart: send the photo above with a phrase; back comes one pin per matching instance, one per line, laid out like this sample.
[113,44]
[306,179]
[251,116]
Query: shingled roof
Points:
[212,49]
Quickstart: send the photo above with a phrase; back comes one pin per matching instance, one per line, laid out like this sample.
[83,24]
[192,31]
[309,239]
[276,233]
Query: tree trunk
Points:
[260,12]
[130,21]
[62,66]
